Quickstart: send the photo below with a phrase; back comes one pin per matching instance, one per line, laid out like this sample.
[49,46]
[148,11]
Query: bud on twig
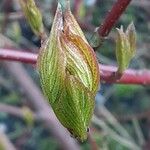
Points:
[33,16]
[28,116]
[125,47]
[69,73]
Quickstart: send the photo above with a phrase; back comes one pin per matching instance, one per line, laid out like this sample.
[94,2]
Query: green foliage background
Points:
[122,101]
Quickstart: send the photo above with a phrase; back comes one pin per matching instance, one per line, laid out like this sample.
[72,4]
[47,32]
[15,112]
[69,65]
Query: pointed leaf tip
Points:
[33,16]
[125,46]
[59,8]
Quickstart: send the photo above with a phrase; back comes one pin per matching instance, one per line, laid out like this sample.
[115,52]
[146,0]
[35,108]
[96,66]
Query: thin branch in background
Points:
[102,110]
[114,135]
[130,76]
[5,83]
[107,72]
[19,112]
[13,110]
[138,132]
[139,116]
[21,55]
[112,17]
[13,16]
[5,143]
[7,6]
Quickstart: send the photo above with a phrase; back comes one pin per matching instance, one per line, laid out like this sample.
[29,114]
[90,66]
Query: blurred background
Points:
[122,112]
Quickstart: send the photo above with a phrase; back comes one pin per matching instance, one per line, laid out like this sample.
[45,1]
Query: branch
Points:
[130,76]
[21,56]
[129,117]
[112,17]
[5,143]
[13,110]
[107,72]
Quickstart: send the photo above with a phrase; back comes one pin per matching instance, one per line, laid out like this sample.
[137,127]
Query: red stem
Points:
[130,76]
[77,4]
[112,17]
[21,56]
[107,72]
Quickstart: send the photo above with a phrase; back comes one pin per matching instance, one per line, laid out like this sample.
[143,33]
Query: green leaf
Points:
[33,16]
[131,34]
[69,73]
[125,47]
[52,61]
[75,107]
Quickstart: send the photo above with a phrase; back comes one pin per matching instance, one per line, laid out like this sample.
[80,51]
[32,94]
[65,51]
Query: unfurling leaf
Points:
[33,16]
[69,73]
[131,34]
[125,47]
